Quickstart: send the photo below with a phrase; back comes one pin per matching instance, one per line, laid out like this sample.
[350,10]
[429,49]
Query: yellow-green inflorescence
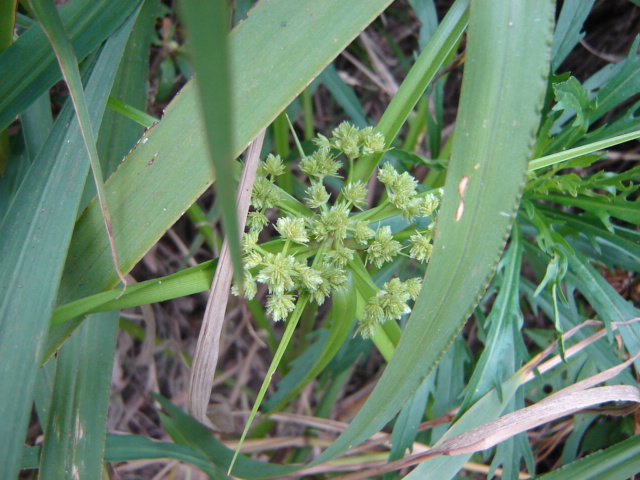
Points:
[333,234]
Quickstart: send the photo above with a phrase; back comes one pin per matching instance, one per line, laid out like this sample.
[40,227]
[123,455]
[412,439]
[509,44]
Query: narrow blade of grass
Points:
[36,232]
[207,28]
[49,18]
[75,432]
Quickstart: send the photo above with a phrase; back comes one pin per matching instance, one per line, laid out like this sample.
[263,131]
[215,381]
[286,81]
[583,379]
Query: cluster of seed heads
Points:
[332,234]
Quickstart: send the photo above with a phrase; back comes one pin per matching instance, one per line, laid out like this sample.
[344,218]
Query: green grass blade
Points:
[185,430]
[207,27]
[443,41]
[74,439]
[126,448]
[185,282]
[47,14]
[31,60]
[608,303]
[292,321]
[619,462]
[566,155]
[74,436]
[36,231]
[132,113]
[343,311]
[36,122]
[118,134]
[499,360]
[569,29]
[7,21]
[502,93]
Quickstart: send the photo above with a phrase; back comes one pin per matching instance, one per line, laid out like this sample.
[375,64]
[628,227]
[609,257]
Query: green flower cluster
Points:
[389,304]
[334,233]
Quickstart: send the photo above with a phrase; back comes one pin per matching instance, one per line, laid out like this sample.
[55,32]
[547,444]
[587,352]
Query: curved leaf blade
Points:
[498,118]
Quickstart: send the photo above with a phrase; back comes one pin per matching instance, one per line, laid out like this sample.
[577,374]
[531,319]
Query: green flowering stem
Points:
[388,334]
[286,338]
[383,341]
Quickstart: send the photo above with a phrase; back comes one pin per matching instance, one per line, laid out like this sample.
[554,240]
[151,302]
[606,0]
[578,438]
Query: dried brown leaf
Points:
[206,356]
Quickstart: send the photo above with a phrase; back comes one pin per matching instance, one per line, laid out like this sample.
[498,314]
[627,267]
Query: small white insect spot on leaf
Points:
[462,186]
[459,211]
[476,166]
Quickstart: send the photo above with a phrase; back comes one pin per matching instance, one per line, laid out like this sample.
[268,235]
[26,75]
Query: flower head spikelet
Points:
[249,241]
[413,287]
[339,256]
[331,235]
[362,233]
[265,194]
[383,247]
[317,195]
[308,278]
[272,165]
[370,141]
[421,247]
[277,272]
[321,141]
[356,193]
[280,306]
[346,138]
[292,229]
[390,303]
[256,221]
[336,277]
[320,164]
[332,223]
[428,204]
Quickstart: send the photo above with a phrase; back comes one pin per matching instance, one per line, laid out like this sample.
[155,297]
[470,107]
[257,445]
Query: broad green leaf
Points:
[497,122]
[36,125]
[118,134]
[619,462]
[31,60]
[73,445]
[36,231]
[75,431]
[406,426]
